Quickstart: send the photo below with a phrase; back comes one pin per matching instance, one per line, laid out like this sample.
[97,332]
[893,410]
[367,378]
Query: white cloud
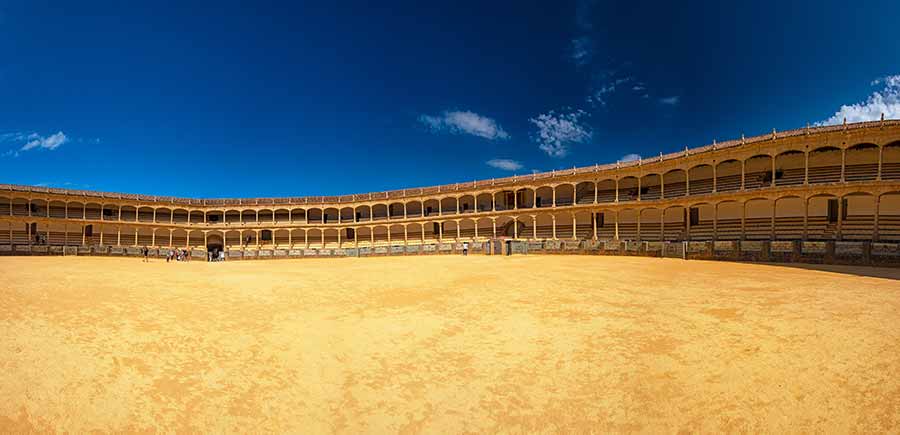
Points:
[638,87]
[630,157]
[671,101]
[505,164]
[51,142]
[886,101]
[465,122]
[582,50]
[599,96]
[556,132]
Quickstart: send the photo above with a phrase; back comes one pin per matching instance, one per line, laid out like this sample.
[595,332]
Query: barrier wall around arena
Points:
[781,251]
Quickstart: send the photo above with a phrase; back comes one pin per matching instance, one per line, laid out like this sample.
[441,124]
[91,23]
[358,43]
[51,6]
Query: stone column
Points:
[806,168]
[533,226]
[574,227]
[875,235]
[742,174]
[515,227]
[594,224]
[118,236]
[616,236]
[843,165]
[554,226]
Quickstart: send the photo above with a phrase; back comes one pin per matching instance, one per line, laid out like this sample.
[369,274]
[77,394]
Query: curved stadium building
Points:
[822,194]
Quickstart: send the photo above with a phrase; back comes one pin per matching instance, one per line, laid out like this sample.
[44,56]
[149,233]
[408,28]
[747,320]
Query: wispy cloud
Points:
[630,157]
[505,164]
[29,141]
[885,100]
[459,122]
[557,131]
[671,101]
[581,50]
[51,142]
[605,88]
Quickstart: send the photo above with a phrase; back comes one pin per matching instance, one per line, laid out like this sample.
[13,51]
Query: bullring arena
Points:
[743,286]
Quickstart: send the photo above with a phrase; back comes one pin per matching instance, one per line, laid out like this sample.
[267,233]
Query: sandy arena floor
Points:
[447,345]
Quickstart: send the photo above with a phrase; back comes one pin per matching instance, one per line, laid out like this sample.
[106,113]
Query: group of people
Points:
[215,255]
[178,255]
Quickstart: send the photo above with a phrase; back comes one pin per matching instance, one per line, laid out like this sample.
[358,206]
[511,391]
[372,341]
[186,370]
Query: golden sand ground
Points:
[447,345]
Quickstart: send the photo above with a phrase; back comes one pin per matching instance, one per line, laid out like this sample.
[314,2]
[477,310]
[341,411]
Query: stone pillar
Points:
[616,237]
[617,190]
[458,235]
[440,232]
[843,166]
[743,219]
[880,159]
[493,222]
[715,222]
[515,227]
[554,226]
[875,235]
[83,235]
[118,236]
[554,196]
[596,192]
[806,168]
[715,171]
[840,218]
[743,164]
[170,236]
[574,227]
[534,226]
[594,224]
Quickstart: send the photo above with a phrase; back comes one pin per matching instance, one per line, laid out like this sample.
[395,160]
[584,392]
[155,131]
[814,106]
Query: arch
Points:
[825,165]
[448,205]
[584,226]
[484,201]
[110,212]
[347,214]
[858,216]
[564,225]
[758,172]
[485,228]
[675,223]
[627,222]
[282,237]
[525,198]
[232,238]
[75,210]
[298,237]
[821,218]
[395,210]
[651,188]
[431,207]
[314,215]
[543,224]
[861,162]
[92,210]
[503,200]
[543,196]
[145,236]
[364,236]
[195,238]
[414,209]
[178,237]
[330,215]
[128,213]
[467,204]
[381,234]
[449,230]
[651,224]
[467,228]
[728,176]
[298,215]
[179,215]
[675,183]
[195,217]
[39,207]
[889,217]
[700,179]
[585,192]
[331,237]
[163,215]
[606,191]
[379,212]
[790,168]
[789,212]
[20,207]
[313,237]
[57,209]
[363,213]
[144,214]
[728,220]
[758,218]
[265,216]
[701,217]
[565,195]
[212,216]
[397,234]
[231,217]
[282,215]
[5,209]
[414,233]
[890,164]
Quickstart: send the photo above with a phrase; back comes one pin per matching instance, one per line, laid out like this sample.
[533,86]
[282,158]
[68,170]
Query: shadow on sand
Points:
[869,271]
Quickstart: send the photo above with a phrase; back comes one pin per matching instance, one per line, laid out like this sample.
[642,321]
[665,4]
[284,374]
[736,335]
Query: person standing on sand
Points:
[146,253]
[465,249]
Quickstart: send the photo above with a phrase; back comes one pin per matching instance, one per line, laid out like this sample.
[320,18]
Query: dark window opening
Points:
[436,229]
[832,211]
[695,216]
[427,211]
[351,233]
[644,190]
[779,173]
[265,235]
[212,218]
[89,231]
[600,217]
[537,201]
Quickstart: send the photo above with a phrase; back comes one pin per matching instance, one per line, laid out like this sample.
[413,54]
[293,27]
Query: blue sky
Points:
[223,99]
